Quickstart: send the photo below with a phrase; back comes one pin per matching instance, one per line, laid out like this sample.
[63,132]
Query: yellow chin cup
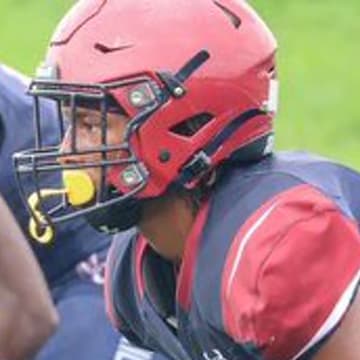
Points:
[79,190]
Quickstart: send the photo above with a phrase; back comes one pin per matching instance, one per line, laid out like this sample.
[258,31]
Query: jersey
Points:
[74,241]
[270,267]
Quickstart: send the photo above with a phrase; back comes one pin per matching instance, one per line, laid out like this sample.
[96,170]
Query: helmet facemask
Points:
[140,97]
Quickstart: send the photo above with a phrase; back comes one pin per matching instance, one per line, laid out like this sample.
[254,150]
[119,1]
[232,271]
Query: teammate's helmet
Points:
[197,80]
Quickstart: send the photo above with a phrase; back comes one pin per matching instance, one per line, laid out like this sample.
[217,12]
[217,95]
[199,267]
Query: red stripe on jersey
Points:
[140,247]
[186,273]
[108,291]
[286,271]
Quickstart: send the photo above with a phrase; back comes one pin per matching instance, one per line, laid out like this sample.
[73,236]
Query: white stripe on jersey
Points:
[127,351]
[243,244]
[335,316]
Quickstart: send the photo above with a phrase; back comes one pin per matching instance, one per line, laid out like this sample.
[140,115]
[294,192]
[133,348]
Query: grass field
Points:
[320,78]
[318,55]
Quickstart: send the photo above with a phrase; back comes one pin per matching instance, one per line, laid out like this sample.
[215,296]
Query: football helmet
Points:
[197,80]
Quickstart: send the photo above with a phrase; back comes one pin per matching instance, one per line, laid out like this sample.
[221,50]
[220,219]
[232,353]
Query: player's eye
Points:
[88,122]
[91,127]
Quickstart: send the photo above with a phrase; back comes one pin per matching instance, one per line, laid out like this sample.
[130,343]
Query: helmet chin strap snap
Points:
[79,189]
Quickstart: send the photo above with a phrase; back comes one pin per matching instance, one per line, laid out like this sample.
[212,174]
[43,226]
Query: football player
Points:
[239,252]
[28,316]
[74,262]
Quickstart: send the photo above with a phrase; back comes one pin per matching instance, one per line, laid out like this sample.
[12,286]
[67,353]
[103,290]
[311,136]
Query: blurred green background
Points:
[319,51]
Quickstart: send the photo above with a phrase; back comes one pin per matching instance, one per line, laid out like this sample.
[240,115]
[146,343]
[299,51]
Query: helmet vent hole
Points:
[192,125]
[234,19]
[102,48]
[109,49]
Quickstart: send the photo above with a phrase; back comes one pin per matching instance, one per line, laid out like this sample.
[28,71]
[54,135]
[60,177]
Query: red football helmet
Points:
[196,78]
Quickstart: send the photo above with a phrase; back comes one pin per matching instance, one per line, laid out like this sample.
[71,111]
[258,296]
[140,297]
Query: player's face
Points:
[88,134]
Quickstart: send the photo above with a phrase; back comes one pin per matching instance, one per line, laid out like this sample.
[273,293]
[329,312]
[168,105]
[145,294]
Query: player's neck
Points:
[166,224]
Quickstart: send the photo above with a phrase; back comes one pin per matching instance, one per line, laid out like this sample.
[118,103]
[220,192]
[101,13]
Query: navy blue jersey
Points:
[270,267]
[74,241]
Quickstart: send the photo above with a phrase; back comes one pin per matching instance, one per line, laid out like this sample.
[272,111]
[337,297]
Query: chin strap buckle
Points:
[197,166]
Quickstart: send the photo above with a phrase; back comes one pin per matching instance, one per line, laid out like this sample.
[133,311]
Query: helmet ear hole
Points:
[190,126]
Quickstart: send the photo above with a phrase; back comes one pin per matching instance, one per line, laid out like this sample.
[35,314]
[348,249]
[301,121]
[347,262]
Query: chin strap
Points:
[79,190]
